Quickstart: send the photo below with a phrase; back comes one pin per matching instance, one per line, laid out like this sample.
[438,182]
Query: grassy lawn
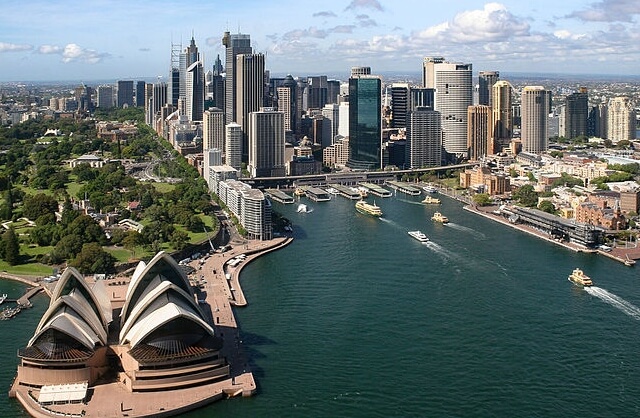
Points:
[30,269]
[73,188]
[32,191]
[200,236]
[122,255]
[164,187]
[34,250]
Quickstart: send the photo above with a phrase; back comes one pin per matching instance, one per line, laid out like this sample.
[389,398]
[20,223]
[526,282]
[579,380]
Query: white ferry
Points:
[419,235]
[429,189]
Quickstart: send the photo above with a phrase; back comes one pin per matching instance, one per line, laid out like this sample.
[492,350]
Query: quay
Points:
[317,194]
[346,191]
[279,196]
[404,188]
[376,190]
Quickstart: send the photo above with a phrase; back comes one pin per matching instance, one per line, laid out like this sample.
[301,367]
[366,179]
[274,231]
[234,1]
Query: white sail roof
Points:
[68,322]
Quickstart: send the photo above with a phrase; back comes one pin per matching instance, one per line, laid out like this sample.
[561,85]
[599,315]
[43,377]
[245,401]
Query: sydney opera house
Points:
[157,339]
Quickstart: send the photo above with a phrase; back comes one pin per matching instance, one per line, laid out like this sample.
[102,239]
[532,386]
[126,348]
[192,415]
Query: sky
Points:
[47,40]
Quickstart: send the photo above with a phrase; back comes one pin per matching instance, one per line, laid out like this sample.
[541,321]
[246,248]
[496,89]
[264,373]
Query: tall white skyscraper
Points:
[233,145]
[621,120]
[535,116]
[266,143]
[424,135]
[331,113]
[343,119]
[453,95]
[194,102]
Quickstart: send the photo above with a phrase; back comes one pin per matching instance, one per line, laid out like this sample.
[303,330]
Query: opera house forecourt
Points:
[147,349]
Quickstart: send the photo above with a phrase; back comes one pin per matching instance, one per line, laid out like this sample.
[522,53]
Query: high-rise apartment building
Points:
[424,138]
[534,114]
[234,44]
[621,120]
[502,109]
[266,143]
[125,93]
[249,89]
[233,145]
[486,80]
[576,112]
[194,99]
[365,122]
[105,97]
[479,130]
[597,121]
[453,95]
[213,129]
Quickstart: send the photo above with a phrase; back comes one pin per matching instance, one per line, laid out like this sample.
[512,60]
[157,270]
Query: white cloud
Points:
[50,49]
[364,4]
[8,47]
[74,52]
[324,14]
[609,11]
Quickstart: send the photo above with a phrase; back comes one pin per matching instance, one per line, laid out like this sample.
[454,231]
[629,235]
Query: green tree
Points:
[11,247]
[67,248]
[526,196]
[482,199]
[179,239]
[38,205]
[93,259]
[6,211]
[547,206]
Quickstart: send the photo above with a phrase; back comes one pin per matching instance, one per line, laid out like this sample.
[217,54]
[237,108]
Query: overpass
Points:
[348,178]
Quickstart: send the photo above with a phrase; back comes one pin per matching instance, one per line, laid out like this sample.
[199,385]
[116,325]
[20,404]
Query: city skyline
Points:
[43,41]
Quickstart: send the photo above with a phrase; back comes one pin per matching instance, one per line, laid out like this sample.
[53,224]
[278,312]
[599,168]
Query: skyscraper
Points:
[486,80]
[213,130]
[535,115]
[502,120]
[621,120]
[266,143]
[287,103]
[317,92]
[424,138]
[125,93]
[576,114]
[105,97]
[249,89]
[187,58]
[140,93]
[234,44]
[421,97]
[478,131]
[158,100]
[399,105]
[233,145]
[453,95]
[365,122]
[194,99]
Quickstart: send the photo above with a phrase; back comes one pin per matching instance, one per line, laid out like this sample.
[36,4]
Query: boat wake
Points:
[440,250]
[466,229]
[614,300]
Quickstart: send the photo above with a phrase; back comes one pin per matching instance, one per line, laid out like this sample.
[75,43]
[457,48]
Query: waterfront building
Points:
[194,99]
[125,93]
[478,131]
[600,214]
[250,207]
[485,181]
[234,44]
[424,138]
[337,154]
[453,95]
[365,122]
[535,115]
[249,90]
[621,120]
[502,112]
[486,81]
[105,97]
[266,143]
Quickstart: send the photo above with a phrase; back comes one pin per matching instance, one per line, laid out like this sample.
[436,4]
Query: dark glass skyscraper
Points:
[576,113]
[365,124]
[234,44]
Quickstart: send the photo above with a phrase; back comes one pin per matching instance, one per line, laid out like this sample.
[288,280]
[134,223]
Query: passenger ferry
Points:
[431,200]
[578,277]
[419,235]
[429,189]
[368,209]
[438,217]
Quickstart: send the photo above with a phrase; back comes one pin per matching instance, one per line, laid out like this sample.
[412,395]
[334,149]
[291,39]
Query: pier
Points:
[317,195]
[376,190]
[346,191]
[404,188]
[279,196]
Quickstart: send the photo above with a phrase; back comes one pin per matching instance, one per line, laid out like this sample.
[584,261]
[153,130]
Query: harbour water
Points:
[356,318]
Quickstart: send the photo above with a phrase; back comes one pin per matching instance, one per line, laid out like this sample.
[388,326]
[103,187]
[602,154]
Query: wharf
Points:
[280,196]
[346,191]
[405,188]
[317,194]
[376,190]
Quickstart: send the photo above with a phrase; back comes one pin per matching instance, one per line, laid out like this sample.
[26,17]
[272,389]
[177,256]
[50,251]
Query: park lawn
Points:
[195,237]
[122,255]
[34,250]
[31,191]
[164,187]
[29,269]
[73,188]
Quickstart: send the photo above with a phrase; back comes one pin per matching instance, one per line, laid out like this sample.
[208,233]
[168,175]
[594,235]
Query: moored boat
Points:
[429,189]
[2,298]
[419,235]
[438,217]
[578,277]
[368,209]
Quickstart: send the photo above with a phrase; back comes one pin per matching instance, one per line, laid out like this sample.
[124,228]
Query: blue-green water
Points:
[356,318]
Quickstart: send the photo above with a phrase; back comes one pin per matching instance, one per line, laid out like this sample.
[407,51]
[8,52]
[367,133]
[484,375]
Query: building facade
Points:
[365,122]
[266,143]
[424,138]
[478,131]
[535,115]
